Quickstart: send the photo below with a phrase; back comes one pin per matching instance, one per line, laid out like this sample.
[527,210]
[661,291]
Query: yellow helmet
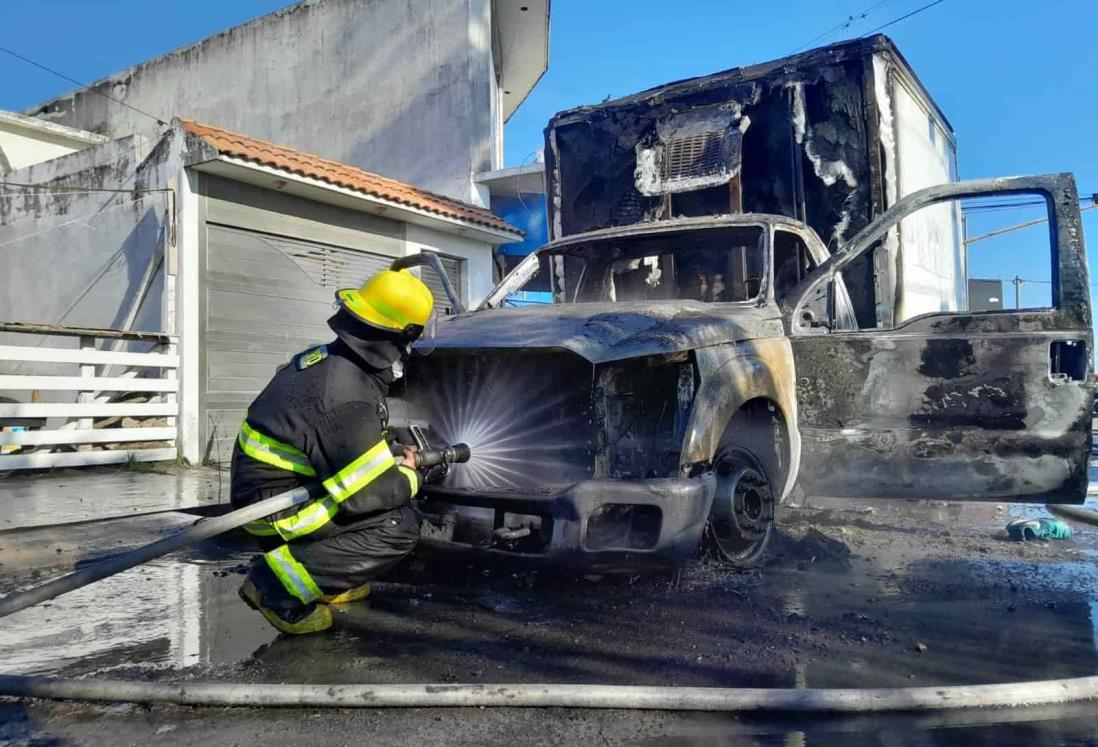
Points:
[395,301]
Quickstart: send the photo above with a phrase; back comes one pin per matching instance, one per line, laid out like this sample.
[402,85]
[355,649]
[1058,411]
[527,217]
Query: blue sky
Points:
[1016,78]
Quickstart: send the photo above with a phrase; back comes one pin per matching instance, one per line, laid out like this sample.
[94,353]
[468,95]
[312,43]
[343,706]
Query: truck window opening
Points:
[792,262]
[719,266]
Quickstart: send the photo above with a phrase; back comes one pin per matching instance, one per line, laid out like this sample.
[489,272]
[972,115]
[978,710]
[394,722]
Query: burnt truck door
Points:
[948,405]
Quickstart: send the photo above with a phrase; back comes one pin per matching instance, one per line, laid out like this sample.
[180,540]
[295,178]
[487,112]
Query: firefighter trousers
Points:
[347,553]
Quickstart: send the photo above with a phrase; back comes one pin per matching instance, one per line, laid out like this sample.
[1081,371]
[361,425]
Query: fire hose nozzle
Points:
[447,455]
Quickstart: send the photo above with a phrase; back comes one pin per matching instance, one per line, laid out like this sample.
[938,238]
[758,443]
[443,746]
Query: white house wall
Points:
[19,150]
[398,88]
[77,258]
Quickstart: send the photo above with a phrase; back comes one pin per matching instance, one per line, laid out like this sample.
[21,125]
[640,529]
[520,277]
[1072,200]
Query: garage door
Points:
[267,298]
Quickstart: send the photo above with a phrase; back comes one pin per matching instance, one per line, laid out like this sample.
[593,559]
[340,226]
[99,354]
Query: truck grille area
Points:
[526,416]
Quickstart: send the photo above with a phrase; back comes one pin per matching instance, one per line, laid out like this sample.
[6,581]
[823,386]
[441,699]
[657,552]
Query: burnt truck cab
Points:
[690,374]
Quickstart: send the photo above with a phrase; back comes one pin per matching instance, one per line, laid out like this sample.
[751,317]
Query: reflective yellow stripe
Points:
[413,477]
[293,575]
[389,312]
[260,528]
[275,453]
[309,519]
[361,472]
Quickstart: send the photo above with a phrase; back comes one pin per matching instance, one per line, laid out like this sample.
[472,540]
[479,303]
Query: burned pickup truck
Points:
[690,372]
[757,284]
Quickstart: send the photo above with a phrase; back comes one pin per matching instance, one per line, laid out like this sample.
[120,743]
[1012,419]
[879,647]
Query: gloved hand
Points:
[409,461]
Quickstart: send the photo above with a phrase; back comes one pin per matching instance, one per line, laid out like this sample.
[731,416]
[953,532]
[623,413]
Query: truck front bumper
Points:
[593,525]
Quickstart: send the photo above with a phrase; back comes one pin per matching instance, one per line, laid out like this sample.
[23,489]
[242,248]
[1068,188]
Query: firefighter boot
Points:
[351,595]
[263,592]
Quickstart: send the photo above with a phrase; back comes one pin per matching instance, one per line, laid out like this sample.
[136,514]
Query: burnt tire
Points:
[741,521]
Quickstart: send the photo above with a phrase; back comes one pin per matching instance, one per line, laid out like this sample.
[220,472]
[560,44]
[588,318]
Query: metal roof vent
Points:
[691,151]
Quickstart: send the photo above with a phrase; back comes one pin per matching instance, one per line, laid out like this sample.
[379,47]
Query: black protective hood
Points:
[378,349]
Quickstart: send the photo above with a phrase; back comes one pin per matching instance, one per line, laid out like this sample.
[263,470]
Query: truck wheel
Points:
[741,521]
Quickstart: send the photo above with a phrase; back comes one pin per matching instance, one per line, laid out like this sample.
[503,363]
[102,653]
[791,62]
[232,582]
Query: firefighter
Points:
[322,419]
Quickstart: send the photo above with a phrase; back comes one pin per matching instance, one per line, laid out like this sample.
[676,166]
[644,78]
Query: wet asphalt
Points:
[866,594]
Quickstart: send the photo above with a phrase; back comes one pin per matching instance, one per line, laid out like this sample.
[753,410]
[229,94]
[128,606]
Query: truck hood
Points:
[604,332]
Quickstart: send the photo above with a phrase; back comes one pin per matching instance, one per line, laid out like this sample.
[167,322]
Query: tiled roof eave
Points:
[235,147]
[387,198]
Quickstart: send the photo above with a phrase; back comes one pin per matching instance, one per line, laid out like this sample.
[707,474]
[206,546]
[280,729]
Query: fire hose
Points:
[201,530]
[1075,513]
[777,700]
[820,701]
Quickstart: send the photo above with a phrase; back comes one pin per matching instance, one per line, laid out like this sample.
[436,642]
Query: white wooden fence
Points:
[82,432]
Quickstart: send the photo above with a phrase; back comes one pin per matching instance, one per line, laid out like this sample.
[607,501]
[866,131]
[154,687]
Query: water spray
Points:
[525,417]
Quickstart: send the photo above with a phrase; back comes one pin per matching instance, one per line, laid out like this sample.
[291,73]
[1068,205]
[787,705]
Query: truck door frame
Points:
[948,405]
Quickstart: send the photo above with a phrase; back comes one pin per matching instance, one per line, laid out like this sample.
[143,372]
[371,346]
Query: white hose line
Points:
[1075,513]
[1045,692]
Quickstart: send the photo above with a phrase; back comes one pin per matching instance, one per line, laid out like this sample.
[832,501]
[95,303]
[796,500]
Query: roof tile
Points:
[265,153]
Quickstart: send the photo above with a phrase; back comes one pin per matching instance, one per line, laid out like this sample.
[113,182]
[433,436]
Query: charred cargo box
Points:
[830,137]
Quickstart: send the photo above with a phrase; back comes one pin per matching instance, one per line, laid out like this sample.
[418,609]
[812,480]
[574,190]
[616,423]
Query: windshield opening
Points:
[723,265]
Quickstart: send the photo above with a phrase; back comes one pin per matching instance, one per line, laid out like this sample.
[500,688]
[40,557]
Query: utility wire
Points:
[61,75]
[76,188]
[66,193]
[1026,280]
[74,221]
[928,6]
[988,205]
[842,26]
[1020,226]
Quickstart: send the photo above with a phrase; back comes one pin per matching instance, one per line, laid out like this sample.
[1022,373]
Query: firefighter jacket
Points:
[323,418]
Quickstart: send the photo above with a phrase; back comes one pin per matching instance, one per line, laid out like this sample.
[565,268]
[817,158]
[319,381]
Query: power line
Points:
[975,207]
[850,21]
[928,6]
[1026,280]
[79,189]
[76,192]
[50,70]
[1020,226]
[74,221]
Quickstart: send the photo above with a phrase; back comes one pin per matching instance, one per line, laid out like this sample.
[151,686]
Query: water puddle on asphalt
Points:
[165,614]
